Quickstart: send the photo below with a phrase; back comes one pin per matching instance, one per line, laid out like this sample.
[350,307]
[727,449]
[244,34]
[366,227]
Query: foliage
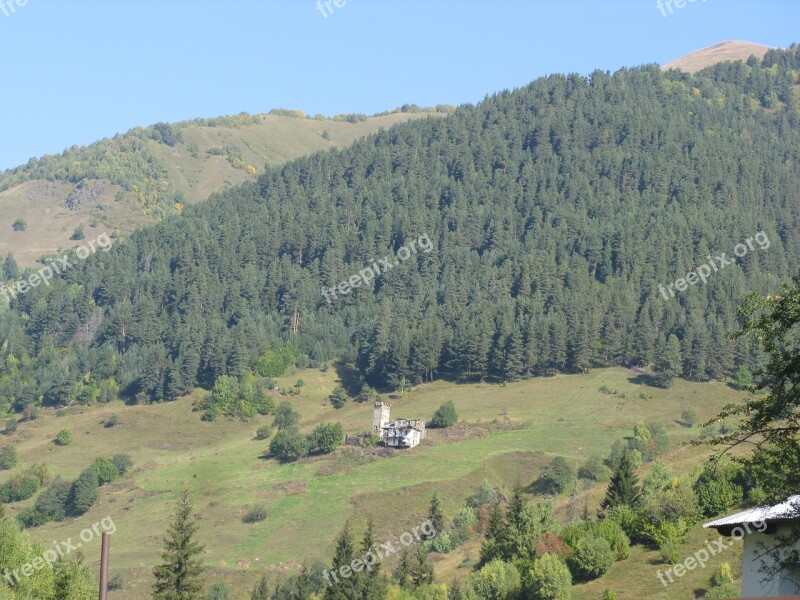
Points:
[20,225]
[326,438]
[263,432]
[275,362]
[557,476]
[63,438]
[445,416]
[106,470]
[288,446]
[180,574]
[498,580]
[235,399]
[256,514]
[591,557]
[719,487]
[624,485]
[8,458]
[84,492]
[548,578]
[123,462]
[286,417]
[339,397]
[594,469]
[484,495]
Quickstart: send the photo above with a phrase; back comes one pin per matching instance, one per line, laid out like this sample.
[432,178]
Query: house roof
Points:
[787,510]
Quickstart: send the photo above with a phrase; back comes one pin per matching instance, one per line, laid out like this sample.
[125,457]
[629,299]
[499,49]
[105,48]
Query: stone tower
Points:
[380,417]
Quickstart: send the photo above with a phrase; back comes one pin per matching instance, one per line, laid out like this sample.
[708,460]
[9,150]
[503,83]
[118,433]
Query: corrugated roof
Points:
[788,509]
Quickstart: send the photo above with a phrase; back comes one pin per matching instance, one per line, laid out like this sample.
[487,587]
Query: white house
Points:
[403,433]
[760,528]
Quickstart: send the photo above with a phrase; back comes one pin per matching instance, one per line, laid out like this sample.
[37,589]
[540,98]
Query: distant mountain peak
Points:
[706,57]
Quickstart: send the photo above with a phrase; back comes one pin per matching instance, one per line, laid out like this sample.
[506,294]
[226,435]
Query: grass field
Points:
[506,434]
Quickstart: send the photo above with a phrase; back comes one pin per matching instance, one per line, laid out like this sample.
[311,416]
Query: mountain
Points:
[729,50]
[545,230]
[148,173]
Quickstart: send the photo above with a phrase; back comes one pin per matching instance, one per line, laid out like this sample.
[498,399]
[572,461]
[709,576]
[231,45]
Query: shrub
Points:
[616,537]
[442,543]
[339,397]
[263,432]
[688,418]
[20,225]
[64,438]
[483,495]
[123,462]
[11,426]
[286,417]
[557,476]
[78,234]
[609,594]
[326,438]
[548,579]
[255,515]
[84,492]
[592,556]
[112,421]
[116,582]
[106,470]
[51,504]
[594,469]
[288,446]
[445,416]
[8,458]
[670,552]
[498,580]
[18,489]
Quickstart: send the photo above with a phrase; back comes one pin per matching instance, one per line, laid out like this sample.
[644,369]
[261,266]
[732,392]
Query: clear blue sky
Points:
[74,71]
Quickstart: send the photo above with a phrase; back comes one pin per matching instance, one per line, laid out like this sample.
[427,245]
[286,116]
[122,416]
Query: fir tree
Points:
[180,575]
[436,517]
[624,486]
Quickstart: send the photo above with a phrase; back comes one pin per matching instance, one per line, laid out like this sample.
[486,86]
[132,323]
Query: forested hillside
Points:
[555,212]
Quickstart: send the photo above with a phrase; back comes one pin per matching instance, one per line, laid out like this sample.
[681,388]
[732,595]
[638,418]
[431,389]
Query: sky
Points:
[75,71]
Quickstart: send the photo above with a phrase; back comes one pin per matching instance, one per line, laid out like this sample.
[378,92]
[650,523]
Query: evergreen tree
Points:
[624,486]
[180,575]
[342,588]
[435,516]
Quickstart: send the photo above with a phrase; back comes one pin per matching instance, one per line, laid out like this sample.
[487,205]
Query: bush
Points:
[557,476]
[116,582]
[609,594]
[288,446]
[106,470]
[8,458]
[286,417]
[18,489]
[670,552]
[594,470]
[445,416]
[84,492]
[11,426]
[255,515]
[263,432]
[64,438]
[591,557]
[20,225]
[498,580]
[483,495]
[123,462]
[326,438]
[548,579]
[688,418]
[442,543]
[51,505]
[339,397]
[112,421]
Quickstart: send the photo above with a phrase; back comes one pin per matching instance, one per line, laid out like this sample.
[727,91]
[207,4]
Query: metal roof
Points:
[786,510]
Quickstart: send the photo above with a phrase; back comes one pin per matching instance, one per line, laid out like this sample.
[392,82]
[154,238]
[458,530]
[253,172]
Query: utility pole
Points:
[104,566]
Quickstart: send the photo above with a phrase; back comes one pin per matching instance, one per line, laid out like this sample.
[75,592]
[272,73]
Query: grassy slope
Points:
[726,51]
[274,141]
[513,431]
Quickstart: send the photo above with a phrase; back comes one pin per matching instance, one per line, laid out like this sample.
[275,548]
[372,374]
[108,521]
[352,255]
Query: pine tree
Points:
[494,541]
[180,575]
[342,588]
[422,569]
[624,486]
[436,517]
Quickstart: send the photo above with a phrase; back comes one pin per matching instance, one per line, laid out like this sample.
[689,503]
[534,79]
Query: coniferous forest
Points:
[555,211]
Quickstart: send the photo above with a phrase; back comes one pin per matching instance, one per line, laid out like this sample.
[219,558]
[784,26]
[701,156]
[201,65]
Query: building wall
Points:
[380,418]
[752,585]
